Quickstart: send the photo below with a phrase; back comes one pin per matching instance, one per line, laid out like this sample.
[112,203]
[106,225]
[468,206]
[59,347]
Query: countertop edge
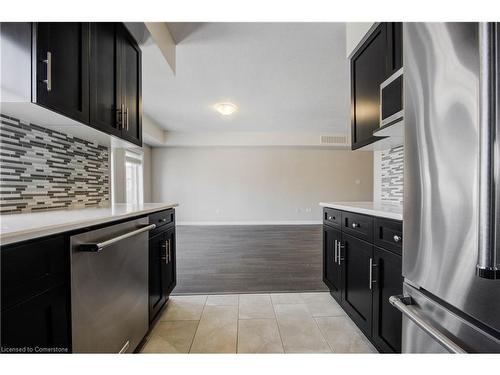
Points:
[363,210]
[49,230]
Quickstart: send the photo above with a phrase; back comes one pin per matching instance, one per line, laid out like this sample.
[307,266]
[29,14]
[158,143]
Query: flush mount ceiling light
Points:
[226,109]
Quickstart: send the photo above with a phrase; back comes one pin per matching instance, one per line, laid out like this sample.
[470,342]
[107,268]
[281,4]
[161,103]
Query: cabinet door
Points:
[103,78]
[368,71]
[170,276]
[357,298]
[386,318]
[395,46]
[40,322]
[157,271]
[62,68]
[130,86]
[32,268]
[332,275]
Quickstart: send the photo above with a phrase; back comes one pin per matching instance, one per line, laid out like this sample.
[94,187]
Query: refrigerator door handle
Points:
[487,261]
[403,304]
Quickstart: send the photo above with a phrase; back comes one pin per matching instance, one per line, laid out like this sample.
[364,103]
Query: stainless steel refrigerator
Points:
[451,257]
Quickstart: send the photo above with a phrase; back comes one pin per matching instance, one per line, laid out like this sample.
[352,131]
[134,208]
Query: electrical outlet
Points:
[308,209]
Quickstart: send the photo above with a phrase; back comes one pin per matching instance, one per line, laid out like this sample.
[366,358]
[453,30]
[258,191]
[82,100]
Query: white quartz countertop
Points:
[381,209]
[25,226]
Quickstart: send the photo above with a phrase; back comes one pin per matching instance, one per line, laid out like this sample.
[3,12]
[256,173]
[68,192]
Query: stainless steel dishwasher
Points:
[109,287]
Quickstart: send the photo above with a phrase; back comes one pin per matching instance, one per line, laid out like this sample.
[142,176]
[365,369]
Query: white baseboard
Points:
[284,222]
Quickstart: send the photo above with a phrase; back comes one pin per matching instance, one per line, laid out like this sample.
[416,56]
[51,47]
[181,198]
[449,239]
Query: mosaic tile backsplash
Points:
[391,167]
[42,169]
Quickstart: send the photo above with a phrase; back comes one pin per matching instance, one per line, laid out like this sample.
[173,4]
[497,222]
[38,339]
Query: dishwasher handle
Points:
[404,304]
[98,246]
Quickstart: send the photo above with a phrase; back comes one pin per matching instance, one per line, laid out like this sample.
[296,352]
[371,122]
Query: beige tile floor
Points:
[256,323]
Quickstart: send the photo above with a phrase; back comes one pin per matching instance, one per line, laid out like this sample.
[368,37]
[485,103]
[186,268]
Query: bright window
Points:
[133,178]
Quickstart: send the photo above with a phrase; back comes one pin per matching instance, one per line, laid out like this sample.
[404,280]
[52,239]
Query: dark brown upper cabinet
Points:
[104,94]
[375,60]
[394,46]
[129,86]
[115,82]
[62,68]
[73,73]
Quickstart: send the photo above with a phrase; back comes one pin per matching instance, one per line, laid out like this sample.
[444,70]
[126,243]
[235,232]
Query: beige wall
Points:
[258,184]
[118,175]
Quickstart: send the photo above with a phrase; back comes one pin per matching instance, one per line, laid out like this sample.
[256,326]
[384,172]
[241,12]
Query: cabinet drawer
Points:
[358,225]
[388,234]
[162,219]
[332,216]
[33,268]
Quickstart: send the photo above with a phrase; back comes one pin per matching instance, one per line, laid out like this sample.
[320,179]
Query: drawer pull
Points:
[396,238]
[355,225]
[163,220]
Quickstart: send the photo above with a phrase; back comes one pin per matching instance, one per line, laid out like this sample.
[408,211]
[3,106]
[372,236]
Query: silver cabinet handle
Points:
[335,253]
[488,260]
[355,225]
[404,304]
[168,256]
[339,256]
[122,116]
[126,118]
[48,81]
[118,118]
[371,273]
[98,246]
[396,238]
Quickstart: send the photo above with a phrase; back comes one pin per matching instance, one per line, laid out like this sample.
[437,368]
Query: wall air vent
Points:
[334,140]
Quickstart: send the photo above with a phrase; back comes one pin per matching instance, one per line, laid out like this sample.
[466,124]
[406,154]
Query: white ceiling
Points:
[282,76]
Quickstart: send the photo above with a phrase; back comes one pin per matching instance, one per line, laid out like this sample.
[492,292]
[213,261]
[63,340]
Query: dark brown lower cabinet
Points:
[362,277]
[170,272]
[389,282]
[332,275]
[38,325]
[157,297]
[357,301]
[35,297]
[162,269]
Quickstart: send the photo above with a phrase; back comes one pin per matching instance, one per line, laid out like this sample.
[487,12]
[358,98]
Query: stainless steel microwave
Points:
[391,99]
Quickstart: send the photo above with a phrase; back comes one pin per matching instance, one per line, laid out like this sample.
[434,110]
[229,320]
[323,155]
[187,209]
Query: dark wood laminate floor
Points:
[239,259]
